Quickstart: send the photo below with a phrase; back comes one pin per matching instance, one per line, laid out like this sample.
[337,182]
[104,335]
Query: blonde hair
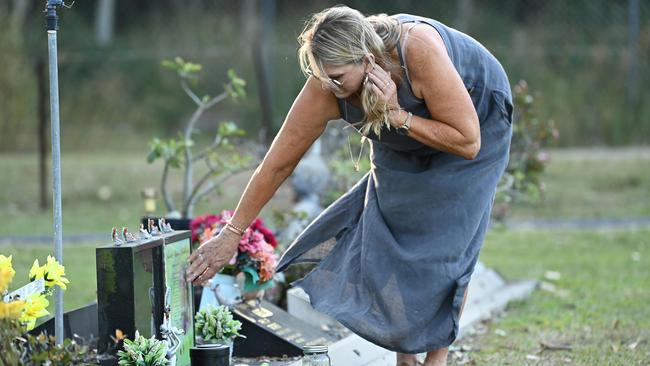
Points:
[340,36]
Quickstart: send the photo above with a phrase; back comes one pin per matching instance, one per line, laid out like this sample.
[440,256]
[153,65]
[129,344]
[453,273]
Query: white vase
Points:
[223,290]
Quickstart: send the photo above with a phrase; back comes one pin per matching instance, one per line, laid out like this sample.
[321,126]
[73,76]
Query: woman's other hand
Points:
[211,257]
[384,87]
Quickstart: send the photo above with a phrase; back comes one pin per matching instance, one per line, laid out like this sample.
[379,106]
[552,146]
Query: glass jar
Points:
[315,356]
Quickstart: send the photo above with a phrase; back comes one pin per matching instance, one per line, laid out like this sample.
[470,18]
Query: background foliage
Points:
[576,54]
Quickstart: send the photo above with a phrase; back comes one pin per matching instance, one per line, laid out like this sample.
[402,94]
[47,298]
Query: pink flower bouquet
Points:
[255,255]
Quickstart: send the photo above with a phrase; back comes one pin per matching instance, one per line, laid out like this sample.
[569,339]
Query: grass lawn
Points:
[583,184]
[79,263]
[599,309]
[85,210]
[593,183]
[599,306]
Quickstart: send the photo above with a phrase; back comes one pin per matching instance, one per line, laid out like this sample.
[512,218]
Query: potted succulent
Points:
[216,326]
[143,351]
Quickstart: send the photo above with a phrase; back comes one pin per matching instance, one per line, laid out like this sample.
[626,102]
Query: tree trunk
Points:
[465,10]
[104,22]
[265,67]
[17,18]
[43,146]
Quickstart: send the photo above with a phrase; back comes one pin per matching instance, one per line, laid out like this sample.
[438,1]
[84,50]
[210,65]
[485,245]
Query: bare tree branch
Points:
[211,173]
[191,94]
[163,188]
[187,179]
[213,185]
[216,100]
[207,150]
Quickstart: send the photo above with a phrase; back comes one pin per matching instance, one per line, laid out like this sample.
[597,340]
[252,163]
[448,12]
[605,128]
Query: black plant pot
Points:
[210,355]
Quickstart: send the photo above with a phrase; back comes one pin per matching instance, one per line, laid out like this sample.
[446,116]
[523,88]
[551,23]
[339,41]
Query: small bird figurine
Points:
[153,230]
[228,301]
[127,236]
[144,234]
[165,227]
[116,239]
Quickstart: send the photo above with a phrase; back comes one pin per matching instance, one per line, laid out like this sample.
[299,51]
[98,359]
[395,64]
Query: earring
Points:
[365,79]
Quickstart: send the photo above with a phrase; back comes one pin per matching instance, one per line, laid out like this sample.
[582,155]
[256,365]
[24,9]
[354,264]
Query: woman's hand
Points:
[384,87]
[212,256]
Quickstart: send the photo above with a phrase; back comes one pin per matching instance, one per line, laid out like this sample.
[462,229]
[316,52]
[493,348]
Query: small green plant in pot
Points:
[216,325]
[143,351]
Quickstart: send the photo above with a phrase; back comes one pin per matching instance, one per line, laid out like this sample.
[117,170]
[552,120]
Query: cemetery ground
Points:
[591,306]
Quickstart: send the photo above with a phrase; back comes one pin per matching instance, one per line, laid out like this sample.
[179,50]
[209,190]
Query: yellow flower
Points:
[55,273]
[52,272]
[6,273]
[37,271]
[35,307]
[11,310]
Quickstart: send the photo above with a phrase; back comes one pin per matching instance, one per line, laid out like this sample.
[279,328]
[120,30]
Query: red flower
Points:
[256,247]
[198,224]
[269,237]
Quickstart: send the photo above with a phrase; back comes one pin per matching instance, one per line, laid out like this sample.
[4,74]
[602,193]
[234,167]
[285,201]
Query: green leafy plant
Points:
[10,331]
[143,351]
[43,350]
[220,157]
[216,324]
[522,181]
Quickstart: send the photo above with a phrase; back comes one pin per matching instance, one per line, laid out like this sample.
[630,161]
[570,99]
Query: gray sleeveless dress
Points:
[396,252]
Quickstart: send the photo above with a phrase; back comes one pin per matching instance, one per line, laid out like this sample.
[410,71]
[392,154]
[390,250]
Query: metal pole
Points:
[52,27]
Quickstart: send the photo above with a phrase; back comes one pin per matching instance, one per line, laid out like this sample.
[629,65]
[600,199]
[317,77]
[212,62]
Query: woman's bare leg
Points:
[439,356]
[406,359]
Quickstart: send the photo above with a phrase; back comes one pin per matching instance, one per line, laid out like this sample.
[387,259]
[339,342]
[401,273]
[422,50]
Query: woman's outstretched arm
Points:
[304,123]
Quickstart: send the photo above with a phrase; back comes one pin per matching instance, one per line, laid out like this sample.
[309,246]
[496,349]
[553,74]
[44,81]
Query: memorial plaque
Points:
[273,332]
[135,282]
[179,298]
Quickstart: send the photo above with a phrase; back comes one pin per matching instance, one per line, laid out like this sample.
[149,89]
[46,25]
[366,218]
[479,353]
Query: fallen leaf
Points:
[636,256]
[532,357]
[614,348]
[500,332]
[554,347]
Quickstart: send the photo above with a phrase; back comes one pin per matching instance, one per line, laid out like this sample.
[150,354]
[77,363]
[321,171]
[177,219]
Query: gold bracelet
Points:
[234,228]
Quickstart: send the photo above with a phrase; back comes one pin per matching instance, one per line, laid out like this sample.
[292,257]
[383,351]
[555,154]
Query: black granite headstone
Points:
[132,282]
